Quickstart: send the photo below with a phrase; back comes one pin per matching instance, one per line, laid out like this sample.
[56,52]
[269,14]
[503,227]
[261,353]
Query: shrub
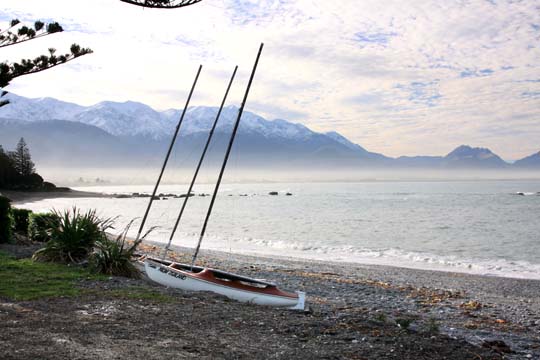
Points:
[20,220]
[404,323]
[433,326]
[73,238]
[31,181]
[380,317]
[5,220]
[113,256]
[40,225]
[48,186]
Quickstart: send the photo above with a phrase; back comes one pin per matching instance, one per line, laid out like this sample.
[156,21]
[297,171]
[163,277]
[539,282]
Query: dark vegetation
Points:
[20,219]
[18,172]
[161,4]
[70,237]
[73,237]
[5,220]
[40,225]
[113,257]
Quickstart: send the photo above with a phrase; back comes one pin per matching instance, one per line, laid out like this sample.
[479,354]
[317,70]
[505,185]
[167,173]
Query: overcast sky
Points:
[397,77]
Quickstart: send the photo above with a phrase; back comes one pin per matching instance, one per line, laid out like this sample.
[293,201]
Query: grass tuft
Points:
[114,256]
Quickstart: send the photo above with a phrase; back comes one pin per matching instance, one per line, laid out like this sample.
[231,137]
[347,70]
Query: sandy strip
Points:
[19,197]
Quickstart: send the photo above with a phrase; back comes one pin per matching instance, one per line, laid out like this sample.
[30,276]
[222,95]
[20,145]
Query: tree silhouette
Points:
[21,159]
[18,33]
[161,4]
[7,172]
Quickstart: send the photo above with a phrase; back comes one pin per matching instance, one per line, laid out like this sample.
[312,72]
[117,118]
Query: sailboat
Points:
[196,278]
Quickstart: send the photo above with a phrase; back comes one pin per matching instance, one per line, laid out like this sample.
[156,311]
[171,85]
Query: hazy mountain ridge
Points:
[112,132]
[529,161]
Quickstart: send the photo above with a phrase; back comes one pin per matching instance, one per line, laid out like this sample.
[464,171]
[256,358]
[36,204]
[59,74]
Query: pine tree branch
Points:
[41,63]
[9,28]
[161,4]
[26,33]
[24,40]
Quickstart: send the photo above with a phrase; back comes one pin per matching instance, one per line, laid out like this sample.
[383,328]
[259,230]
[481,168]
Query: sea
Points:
[482,227]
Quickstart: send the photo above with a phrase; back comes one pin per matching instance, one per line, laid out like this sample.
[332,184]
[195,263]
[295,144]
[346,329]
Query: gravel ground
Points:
[355,312]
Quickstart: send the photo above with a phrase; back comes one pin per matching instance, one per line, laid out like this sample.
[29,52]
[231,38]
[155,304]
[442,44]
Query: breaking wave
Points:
[389,257]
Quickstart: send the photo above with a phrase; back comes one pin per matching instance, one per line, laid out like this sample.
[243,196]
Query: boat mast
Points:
[200,163]
[231,141]
[167,156]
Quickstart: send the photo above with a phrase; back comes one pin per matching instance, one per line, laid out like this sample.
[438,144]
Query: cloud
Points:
[375,38]
[401,78]
[424,93]
[475,73]
[531,94]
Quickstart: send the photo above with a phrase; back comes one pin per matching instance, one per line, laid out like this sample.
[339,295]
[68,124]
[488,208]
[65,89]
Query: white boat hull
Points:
[233,286]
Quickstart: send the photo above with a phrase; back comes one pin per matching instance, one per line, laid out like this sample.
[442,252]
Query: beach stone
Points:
[497,345]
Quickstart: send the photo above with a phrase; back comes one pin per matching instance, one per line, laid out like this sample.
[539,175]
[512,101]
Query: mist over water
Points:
[179,173]
[468,226]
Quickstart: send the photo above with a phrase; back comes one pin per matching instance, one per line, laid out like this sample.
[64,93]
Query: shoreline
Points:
[397,274]
[472,307]
[18,197]
[414,266]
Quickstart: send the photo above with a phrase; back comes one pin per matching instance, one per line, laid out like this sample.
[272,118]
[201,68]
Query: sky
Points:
[397,77]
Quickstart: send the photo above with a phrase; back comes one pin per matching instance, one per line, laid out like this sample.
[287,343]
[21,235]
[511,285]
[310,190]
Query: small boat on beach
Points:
[197,278]
[233,286]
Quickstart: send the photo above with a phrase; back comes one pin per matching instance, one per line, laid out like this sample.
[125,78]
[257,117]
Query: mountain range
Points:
[128,133]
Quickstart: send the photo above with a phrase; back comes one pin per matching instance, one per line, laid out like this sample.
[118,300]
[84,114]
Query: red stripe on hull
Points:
[208,275]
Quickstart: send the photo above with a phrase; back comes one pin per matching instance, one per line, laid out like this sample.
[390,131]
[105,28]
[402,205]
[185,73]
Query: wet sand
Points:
[27,196]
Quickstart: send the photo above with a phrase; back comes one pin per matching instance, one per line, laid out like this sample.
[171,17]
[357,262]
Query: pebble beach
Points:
[353,312]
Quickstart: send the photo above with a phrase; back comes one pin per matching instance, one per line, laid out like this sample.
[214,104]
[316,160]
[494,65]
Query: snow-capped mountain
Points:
[126,133]
[40,109]
[124,119]
[131,123]
[137,119]
[201,118]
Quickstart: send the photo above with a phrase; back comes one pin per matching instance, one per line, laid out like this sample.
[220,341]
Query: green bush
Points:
[20,220]
[113,256]
[40,225]
[5,220]
[74,237]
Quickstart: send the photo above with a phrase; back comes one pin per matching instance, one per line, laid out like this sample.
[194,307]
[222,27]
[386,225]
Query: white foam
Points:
[388,257]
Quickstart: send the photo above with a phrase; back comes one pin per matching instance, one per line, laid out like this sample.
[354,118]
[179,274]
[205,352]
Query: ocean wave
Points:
[390,257]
